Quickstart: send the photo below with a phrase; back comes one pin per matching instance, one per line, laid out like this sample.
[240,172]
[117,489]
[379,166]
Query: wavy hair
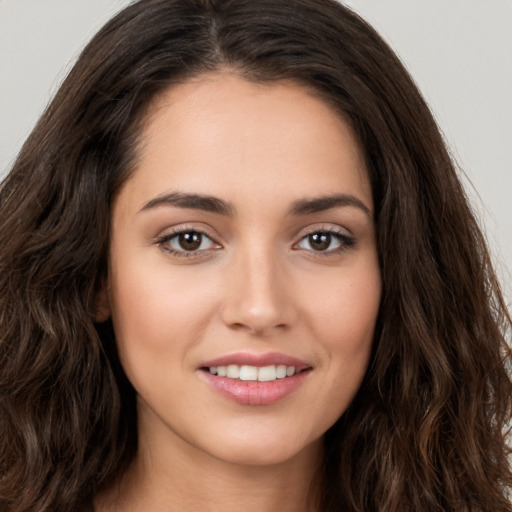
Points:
[427,429]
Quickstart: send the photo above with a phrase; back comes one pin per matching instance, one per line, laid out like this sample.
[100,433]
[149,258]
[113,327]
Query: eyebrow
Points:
[192,201]
[323,203]
[215,205]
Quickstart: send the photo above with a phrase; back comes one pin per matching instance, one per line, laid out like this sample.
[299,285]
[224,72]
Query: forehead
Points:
[219,130]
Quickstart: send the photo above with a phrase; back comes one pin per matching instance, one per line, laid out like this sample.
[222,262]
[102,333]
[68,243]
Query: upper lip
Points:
[267,359]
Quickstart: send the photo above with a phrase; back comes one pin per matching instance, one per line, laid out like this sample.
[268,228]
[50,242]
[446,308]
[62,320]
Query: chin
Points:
[266,450]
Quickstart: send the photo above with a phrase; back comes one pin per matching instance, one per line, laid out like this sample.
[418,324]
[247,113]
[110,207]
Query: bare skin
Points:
[216,486]
[245,236]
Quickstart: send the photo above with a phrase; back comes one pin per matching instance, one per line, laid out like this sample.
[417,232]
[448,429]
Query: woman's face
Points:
[244,281]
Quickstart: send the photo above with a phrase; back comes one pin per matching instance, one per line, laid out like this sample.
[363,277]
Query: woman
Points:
[238,269]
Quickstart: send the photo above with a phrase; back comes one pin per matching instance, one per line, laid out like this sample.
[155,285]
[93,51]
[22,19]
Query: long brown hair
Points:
[426,431]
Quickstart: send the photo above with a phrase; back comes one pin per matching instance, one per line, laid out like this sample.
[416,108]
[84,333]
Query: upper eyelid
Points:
[341,236]
[164,239]
[171,231]
[326,228]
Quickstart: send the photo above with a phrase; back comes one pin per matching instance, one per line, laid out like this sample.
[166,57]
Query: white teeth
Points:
[254,373]
[248,373]
[233,371]
[267,373]
[281,371]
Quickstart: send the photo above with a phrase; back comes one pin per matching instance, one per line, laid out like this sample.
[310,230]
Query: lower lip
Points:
[249,392]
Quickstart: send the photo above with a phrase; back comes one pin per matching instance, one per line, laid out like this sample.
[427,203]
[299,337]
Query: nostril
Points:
[258,330]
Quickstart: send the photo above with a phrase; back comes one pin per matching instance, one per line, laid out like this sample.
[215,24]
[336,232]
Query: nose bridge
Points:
[255,296]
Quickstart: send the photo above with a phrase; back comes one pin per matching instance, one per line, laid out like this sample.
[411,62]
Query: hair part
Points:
[426,430]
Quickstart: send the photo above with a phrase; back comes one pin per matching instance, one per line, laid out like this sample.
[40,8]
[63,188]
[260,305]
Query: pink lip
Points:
[267,359]
[251,392]
[255,392]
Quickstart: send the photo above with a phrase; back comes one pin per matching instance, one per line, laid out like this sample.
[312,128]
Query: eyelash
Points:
[164,240]
[345,242]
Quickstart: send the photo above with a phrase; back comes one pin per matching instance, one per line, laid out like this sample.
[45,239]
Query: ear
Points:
[102,306]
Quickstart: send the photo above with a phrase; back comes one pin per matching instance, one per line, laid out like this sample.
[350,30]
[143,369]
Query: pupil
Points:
[320,241]
[190,241]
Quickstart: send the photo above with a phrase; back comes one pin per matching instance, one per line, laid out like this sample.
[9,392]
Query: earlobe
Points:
[102,305]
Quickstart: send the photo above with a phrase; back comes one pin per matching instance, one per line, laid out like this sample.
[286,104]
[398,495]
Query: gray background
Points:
[458,51]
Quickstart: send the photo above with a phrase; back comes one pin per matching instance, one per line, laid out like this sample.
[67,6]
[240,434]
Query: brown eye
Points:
[326,241]
[190,241]
[320,241]
[187,243]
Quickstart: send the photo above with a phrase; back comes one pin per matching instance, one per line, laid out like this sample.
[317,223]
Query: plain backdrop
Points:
[458,51]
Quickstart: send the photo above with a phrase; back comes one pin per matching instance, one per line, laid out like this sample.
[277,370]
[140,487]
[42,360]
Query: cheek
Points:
[343,321]
[159,316]
[344,310]
[155,310]
[339,314]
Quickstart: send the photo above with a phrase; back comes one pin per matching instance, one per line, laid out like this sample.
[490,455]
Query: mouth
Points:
[255,379]
[245,372]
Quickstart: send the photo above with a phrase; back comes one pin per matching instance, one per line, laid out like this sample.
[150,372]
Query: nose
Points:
[257,296]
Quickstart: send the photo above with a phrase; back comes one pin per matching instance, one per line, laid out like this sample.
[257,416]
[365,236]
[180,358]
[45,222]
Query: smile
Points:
[254,373]
[255,379]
